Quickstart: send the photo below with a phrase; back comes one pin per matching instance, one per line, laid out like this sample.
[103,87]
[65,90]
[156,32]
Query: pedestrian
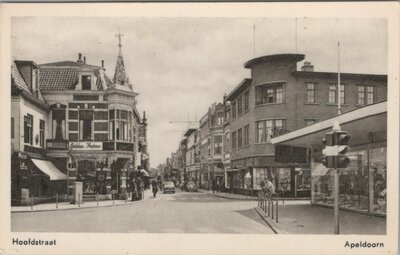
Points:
[155,188]
[134,189]
[214,185]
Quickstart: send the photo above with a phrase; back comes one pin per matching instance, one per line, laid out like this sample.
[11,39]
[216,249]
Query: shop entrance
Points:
[87,175]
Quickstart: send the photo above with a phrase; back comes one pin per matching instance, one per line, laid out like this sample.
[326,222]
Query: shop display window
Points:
[362,186]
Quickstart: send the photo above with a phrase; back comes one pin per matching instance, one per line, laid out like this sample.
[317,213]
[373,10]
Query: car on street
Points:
[168,187]
[191,187]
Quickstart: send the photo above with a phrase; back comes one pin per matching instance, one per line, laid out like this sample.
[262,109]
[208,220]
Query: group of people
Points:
[216,185]
[137,187]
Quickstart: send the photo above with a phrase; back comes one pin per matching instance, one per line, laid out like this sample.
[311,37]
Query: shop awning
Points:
[49,169]
[358,122]
[144,172]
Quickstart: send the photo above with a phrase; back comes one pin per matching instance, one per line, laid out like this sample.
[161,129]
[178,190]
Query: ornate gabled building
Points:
[91,130]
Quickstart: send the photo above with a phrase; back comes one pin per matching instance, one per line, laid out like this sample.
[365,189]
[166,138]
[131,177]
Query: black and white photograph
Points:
[168,126]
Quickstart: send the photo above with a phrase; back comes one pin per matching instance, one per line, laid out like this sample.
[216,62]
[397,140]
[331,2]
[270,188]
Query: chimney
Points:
[79,58]
[102,63]
[84,59]
[307,67]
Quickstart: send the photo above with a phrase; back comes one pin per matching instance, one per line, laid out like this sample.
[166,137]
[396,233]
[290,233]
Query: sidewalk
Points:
[85,204]
[298,218]
[242,197]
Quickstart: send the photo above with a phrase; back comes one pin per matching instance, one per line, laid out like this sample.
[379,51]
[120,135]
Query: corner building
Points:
[278,99]
[94,124]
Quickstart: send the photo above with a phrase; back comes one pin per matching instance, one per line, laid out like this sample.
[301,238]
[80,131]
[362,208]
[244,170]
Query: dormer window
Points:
[86,82]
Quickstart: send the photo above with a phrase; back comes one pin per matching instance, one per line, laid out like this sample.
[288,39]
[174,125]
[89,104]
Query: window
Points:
[85,125]
[233,140]
[246,135]
[234,110]
[267,94]
[366,95]
[310,93]
[28,129]
[220,118]
[310,121]
[226,143]
[239,105]
[41,132]
[59,123]
[240,138]
[246,100]
[332,94]
[209,146]
[12,128]
[218,145]
[227,115]
[86,82]
[269,128]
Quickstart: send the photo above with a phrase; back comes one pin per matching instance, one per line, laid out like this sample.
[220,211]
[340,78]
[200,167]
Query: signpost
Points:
[335,158]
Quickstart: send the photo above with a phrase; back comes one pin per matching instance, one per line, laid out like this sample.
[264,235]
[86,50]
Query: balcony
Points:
[56,144]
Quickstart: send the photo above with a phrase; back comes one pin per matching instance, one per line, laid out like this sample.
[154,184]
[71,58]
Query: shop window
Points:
[86,82]
[28,129]
[41,133]
[268,94]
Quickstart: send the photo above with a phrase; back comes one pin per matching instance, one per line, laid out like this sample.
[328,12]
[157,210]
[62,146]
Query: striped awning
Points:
[49,169]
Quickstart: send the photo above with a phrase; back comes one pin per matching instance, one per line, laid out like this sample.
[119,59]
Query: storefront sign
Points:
[80,146]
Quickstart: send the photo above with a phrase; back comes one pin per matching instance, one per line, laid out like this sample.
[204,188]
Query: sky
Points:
[181,66]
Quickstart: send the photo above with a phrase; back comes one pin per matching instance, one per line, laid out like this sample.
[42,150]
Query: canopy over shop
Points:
[363,183]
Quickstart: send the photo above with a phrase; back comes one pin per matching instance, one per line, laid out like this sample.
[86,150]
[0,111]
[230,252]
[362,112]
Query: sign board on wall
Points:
[82,146]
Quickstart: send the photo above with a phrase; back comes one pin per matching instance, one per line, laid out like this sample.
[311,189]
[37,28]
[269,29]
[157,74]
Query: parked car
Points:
[191,187]
[168,187]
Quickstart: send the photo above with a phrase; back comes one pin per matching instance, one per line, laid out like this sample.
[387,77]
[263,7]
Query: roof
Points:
[189,132]
[19,86]
[17,80]
[64,76]
[268,58]
[332,75]
[239,89]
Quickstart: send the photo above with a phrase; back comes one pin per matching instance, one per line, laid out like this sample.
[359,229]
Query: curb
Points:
[270,222]
[232,198]
[76,208]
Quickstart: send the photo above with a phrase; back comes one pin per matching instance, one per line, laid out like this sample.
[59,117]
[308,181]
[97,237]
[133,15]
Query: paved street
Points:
[168,213]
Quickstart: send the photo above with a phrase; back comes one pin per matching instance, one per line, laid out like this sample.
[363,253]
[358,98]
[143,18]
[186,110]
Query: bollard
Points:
[126,197]
[272,207]
[32,202]
[79,200]
[97,198]
[283,198]
[268,208]
[112,195]
[276,210]
[56,200]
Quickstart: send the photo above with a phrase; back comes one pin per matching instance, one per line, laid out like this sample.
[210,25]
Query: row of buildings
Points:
[71,122]
[238,142]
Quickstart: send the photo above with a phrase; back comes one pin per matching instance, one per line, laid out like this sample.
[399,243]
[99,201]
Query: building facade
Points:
[278,99]
[88,128]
